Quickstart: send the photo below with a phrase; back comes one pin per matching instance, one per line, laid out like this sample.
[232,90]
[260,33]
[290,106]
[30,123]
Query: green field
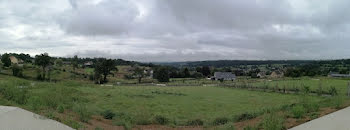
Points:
[143,105]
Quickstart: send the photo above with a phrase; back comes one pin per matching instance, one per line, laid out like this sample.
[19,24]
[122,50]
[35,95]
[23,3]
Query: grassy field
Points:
[80,100]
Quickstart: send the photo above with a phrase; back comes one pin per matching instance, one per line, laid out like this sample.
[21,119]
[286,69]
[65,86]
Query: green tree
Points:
[205,71]
[5,59]
[17,70]
[186,73]
[104,67]
[75,62]
[162,74]
[59,62]
[43,60]
[139,73]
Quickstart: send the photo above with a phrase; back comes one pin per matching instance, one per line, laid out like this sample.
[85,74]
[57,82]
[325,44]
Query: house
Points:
[261,74]
[15,60]
[277,74]
[337,75]
[88,64]
[224,76]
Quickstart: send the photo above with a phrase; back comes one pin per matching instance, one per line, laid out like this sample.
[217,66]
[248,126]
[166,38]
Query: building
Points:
[277,74]
[337,75]
[261,74]
[224,76]
[88,64]
[15,60]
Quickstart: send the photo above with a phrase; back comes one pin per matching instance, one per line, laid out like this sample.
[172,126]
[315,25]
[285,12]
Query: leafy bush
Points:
[161,120]
[108,114]
[195,122]
[273,122]
[60,109]
[220,121]
[298,111]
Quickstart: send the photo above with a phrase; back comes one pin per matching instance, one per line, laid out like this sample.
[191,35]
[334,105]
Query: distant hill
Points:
[226,63]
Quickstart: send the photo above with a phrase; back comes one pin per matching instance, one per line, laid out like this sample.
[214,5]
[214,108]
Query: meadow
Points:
[77,102]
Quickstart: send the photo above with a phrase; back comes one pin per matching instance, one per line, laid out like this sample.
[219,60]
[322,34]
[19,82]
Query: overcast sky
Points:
[178,30]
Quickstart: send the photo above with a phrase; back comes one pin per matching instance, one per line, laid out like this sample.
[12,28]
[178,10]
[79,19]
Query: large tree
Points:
[162,74]
[5,59]
[206,71]
[139,73]
[75,63]
[43,60]
[104,67]
[186,73]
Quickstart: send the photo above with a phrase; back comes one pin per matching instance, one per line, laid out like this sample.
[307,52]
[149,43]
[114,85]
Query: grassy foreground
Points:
[127,106]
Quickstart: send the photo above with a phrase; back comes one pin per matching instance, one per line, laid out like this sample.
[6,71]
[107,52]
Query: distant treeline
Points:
[228,63]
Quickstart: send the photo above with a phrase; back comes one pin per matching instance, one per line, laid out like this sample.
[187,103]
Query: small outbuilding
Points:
[224,76]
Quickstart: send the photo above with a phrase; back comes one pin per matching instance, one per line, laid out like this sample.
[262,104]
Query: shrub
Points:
[332,91]
[273,122]
[161,120]
[245,116]
[195,122]
[60,109]
[298,111]
[17,71]
[108,114]
[220,121]
[306,89]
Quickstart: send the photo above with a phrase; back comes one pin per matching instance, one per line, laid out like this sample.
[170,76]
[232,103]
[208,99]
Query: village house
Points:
[15,60]
[277,74]
[224,76]
[88,64]
[337,75]
[261,74]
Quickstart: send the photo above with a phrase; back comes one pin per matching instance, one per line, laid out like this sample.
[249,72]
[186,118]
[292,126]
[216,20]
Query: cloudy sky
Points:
[178,30]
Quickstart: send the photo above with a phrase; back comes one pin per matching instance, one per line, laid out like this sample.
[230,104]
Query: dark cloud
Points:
[178,30]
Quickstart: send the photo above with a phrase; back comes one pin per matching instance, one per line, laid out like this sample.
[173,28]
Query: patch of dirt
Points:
[253,122]
[99,121]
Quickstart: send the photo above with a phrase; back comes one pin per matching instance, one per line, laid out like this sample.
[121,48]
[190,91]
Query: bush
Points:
[273,122]
[196,122]
[245,116]
[60,109]
[108,114]
[298,111]
[332,91]
[161,120]
[17,71]
[220,121]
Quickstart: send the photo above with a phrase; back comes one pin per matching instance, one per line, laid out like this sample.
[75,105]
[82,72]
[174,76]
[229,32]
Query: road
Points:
[339,120]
